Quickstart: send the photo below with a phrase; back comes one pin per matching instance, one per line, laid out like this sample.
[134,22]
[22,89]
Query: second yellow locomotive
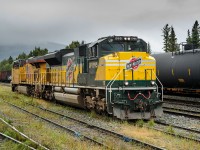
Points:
[114,74]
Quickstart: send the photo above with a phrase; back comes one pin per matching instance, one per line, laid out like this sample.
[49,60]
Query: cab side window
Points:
[93,51]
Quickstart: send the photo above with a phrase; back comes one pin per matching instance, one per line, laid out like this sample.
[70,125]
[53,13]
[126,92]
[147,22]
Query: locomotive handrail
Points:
[107,89]
[108,85]
[112,84]
[160,84]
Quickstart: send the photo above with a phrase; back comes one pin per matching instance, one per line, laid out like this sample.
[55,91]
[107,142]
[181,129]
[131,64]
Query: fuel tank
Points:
[22,89]
[70,99]
[180,70]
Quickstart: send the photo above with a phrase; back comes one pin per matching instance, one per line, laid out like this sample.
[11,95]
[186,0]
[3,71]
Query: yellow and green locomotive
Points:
[114,74]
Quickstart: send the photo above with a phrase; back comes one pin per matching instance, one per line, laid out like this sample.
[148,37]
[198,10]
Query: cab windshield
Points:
[137,46]
[124,46]
[113,47]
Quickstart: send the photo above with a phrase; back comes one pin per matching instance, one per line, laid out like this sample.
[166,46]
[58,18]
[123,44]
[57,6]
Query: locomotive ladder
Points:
[157,86]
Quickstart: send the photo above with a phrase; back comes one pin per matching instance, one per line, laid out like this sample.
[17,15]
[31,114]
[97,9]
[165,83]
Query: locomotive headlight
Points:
[152,82]
[126,83]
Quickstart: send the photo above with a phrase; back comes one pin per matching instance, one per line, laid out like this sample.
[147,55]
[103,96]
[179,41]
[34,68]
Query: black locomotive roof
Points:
[55,58]
[121,38]
[19,63]
[37,59]
[96,42]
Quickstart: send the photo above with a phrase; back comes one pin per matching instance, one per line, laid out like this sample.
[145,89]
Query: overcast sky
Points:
[61,21]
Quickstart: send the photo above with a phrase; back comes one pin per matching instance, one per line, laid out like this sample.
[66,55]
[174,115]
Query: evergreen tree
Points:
[189,39]
[30,54]
[38,52]
[195,35]
[10,60]
[22,56]
[172,41]
[73,44]
[166,30]
[6,64]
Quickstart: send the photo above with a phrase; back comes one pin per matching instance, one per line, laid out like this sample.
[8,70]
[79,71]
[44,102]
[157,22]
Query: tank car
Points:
[179,72]
[114,74]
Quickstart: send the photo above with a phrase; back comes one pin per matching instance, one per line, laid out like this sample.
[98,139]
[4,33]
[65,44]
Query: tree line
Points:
[6,64]
[170,41]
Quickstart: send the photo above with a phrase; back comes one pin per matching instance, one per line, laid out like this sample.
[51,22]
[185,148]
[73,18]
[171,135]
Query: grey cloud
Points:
[62,21]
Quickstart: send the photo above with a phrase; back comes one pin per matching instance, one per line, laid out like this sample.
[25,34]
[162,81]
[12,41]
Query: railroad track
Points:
[4,136]
[178,127]
[116,134]
[182,103]
[105,131]
[182,112]
[187,101]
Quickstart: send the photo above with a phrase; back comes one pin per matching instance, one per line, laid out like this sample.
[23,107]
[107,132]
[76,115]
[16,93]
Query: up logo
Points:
[134,63]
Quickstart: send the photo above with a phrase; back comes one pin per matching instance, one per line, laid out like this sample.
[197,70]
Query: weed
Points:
[125,122]
[192,136]
[93,114]
[20,128]
[151,123]
[95,138]
[15,97]
[140,123]
[170,129]
[9,121]
[20,146]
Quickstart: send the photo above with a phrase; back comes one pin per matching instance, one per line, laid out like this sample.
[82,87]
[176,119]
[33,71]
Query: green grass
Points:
[9,145]
[10,132]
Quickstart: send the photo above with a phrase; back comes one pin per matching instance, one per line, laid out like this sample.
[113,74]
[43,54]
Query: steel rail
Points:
[172,111]
[186,101]
[182,110]
[181,136]
[16,141]
[183,104]
[177,135]
[178,127]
